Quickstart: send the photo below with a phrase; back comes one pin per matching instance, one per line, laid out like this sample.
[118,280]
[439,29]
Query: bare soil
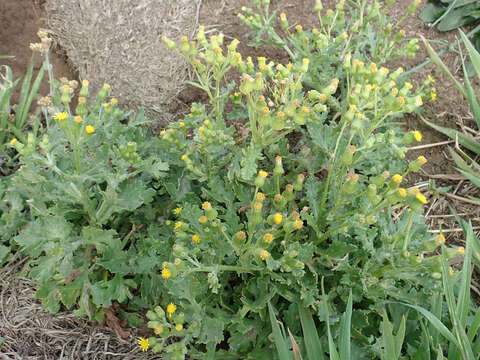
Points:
[31,333]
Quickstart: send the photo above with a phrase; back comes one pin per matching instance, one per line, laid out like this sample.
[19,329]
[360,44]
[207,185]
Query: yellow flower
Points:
[408,85]
[89,129]
[206,122]
[431,78]
[401,100]
[82,100]
[433,94]
[418,101]
[196,239]
[417,135]
[329,12]
[206,206]
[461,250]
[77,119]
[166,273]
[105,105]
[402,192]
[420,197]
[397,178]
[13,141]
[106,86]
[85,82]
[298,224]
[143,344]
[268,238]
[203,219]
[201,129]
[178,225]
[181,124]
[158,329]
[257,206]
[114,101]
[262,174]
[277,218]
[171,308]
[298,27]
[260,196]
[264,255]
[283,16]
[422,159]
[61,116]
[177,210]
[441,238]
[450,271]
[179,327]
[184,157]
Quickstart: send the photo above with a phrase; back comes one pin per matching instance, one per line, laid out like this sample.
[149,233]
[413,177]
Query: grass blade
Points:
[464,140]
[346,323]
[296,349]
[32,93]
[437,61]
[474,55]
[310,335]
[27,80]
[280,342]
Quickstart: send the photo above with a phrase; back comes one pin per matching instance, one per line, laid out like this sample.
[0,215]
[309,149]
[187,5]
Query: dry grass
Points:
[119,42]
[31,333]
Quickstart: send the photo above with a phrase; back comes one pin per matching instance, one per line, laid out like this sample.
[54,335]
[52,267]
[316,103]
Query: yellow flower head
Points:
[418,101]
[241,235]
[329,12]
[106,86]
[433,94]
[184,157]
[171,308]
[422,159]
[461,250]
[178,225]
[196,239]
[401,100]
[114,101]
[206,206]
[397,178]
[260,196]
[268,238]
[177,210]
[299,27]
[417,135]
[257,206]
[450,271]
[264,255]
[277,218]
[143,344]
[402,192]
[298,224]
[420,197]
[202,219]
[408,85]
[77,119]
[85,82]
[89,129]
[179,327]
[283,16]
[262,174]
[441,238]
[166,273]
[61,116]
[431,78]
[181,124]
[158,329]
[13,141]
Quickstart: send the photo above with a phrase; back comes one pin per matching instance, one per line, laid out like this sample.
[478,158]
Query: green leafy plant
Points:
[448,15]
[258,222]
[79,202]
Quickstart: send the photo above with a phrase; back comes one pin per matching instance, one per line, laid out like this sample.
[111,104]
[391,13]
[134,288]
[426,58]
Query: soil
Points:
[20,21]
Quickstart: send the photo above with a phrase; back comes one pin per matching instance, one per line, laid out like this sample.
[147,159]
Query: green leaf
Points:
[464,140]
[345,325]
[313,345]
[431,13]
[279,338]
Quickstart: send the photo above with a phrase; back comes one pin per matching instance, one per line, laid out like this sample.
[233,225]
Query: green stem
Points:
[407,232]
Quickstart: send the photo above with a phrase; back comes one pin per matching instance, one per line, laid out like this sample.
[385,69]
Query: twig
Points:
[451,230]
[456,197]
[426,146]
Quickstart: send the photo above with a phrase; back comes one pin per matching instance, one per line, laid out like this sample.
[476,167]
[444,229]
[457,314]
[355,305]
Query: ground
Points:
[31,333]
